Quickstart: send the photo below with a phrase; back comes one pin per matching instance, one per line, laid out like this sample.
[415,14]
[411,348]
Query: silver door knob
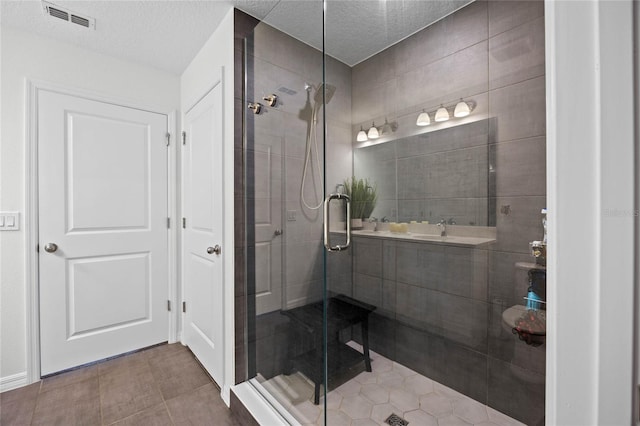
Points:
[50,247]
[216,249]
[277,232]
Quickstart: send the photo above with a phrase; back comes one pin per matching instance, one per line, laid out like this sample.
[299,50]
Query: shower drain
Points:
[396,420]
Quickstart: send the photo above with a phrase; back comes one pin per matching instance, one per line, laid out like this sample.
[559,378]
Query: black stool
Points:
[342,312]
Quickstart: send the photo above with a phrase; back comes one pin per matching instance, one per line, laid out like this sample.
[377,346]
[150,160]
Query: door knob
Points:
[216,249]
[277,232]
[50,247]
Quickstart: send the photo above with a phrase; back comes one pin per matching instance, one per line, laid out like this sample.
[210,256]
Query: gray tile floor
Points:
[164,385]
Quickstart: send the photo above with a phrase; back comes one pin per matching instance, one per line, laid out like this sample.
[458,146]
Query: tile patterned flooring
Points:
[164,385]
[369,399]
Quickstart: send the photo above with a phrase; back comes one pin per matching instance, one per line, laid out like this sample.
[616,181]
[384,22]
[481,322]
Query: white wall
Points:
[590,163]
[195,82]
[26,55]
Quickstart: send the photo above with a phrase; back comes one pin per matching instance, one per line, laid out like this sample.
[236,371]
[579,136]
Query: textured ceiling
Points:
[356,29]
[168,34]
[161,34]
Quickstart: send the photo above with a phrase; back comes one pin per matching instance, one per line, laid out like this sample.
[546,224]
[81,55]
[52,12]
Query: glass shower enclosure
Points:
[388,213]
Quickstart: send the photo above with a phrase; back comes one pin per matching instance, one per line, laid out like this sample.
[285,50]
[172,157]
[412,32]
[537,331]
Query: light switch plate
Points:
[9,221]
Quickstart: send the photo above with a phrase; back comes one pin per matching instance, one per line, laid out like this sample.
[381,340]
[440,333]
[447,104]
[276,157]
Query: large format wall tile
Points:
[517,55]
[516,392]
[505,15]
[459,75]
[520,167]
[519,110]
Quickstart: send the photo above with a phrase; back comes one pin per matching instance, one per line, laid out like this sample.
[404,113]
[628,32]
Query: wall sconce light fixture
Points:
[362,135]
[373,132]
[423,119]
[442,114]
[462,109]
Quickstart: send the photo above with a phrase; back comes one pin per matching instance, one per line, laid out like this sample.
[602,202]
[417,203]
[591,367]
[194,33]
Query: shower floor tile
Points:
[370,398]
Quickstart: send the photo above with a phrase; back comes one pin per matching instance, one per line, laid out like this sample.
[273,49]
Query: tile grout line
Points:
[157,385]
[35,405]
[100,396]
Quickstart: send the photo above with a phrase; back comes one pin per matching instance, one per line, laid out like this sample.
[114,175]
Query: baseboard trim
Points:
[13,382]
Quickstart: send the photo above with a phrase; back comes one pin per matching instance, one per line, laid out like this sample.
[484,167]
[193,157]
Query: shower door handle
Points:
[327,238]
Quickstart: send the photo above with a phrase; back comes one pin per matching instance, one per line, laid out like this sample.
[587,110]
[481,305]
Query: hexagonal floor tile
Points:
[452,421]
[366,377]
[406,401]
[356,407]
[334,399]
[381,412]
[402,370]
[363,422]
[349,389]
[470,410]
[418,385]
[335,418]
[419,417]
[376,393]
[436,405]
[390,379]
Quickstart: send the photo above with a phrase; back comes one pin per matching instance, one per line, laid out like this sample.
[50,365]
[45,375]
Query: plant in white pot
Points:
[363,199]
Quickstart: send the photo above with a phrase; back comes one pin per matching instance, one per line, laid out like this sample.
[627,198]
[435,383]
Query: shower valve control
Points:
[272,100]
[256,107]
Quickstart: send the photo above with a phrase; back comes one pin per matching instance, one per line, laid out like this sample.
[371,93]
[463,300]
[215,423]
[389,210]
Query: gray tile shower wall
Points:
[439,309]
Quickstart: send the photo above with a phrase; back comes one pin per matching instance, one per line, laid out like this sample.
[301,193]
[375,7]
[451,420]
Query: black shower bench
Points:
[342,312]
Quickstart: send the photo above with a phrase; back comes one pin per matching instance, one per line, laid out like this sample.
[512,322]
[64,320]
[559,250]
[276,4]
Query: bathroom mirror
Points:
[441,174]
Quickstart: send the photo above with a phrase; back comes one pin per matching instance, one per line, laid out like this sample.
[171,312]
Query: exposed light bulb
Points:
[362,135]
[462,109]
[423,119]
[442,114]
[373,132]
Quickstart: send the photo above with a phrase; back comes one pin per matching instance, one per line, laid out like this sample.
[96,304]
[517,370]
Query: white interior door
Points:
[103,236]
[267,156]
[203,213]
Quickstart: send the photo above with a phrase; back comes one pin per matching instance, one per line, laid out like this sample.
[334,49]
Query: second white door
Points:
[203,214]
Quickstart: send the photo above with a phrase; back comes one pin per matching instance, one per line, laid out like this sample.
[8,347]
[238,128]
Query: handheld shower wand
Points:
[323,92]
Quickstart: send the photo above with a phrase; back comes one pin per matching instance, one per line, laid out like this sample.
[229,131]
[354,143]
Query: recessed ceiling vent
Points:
[68,15]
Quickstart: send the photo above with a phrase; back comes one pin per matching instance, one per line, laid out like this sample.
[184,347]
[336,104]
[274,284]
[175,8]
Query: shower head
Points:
[330,91]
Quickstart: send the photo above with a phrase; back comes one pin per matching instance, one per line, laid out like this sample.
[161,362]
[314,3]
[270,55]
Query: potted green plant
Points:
[363,199]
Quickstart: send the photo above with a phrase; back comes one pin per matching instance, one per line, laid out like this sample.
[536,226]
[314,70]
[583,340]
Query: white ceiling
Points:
[167,34]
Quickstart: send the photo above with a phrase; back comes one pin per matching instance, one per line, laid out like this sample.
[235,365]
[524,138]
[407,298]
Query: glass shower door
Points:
[285,191]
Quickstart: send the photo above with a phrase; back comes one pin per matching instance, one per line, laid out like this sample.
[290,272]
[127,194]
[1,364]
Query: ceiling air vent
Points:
[69,16]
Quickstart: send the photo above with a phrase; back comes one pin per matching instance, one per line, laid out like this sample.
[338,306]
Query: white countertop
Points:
[454,240]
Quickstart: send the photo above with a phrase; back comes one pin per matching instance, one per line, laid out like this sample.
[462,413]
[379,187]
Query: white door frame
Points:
[32,312]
